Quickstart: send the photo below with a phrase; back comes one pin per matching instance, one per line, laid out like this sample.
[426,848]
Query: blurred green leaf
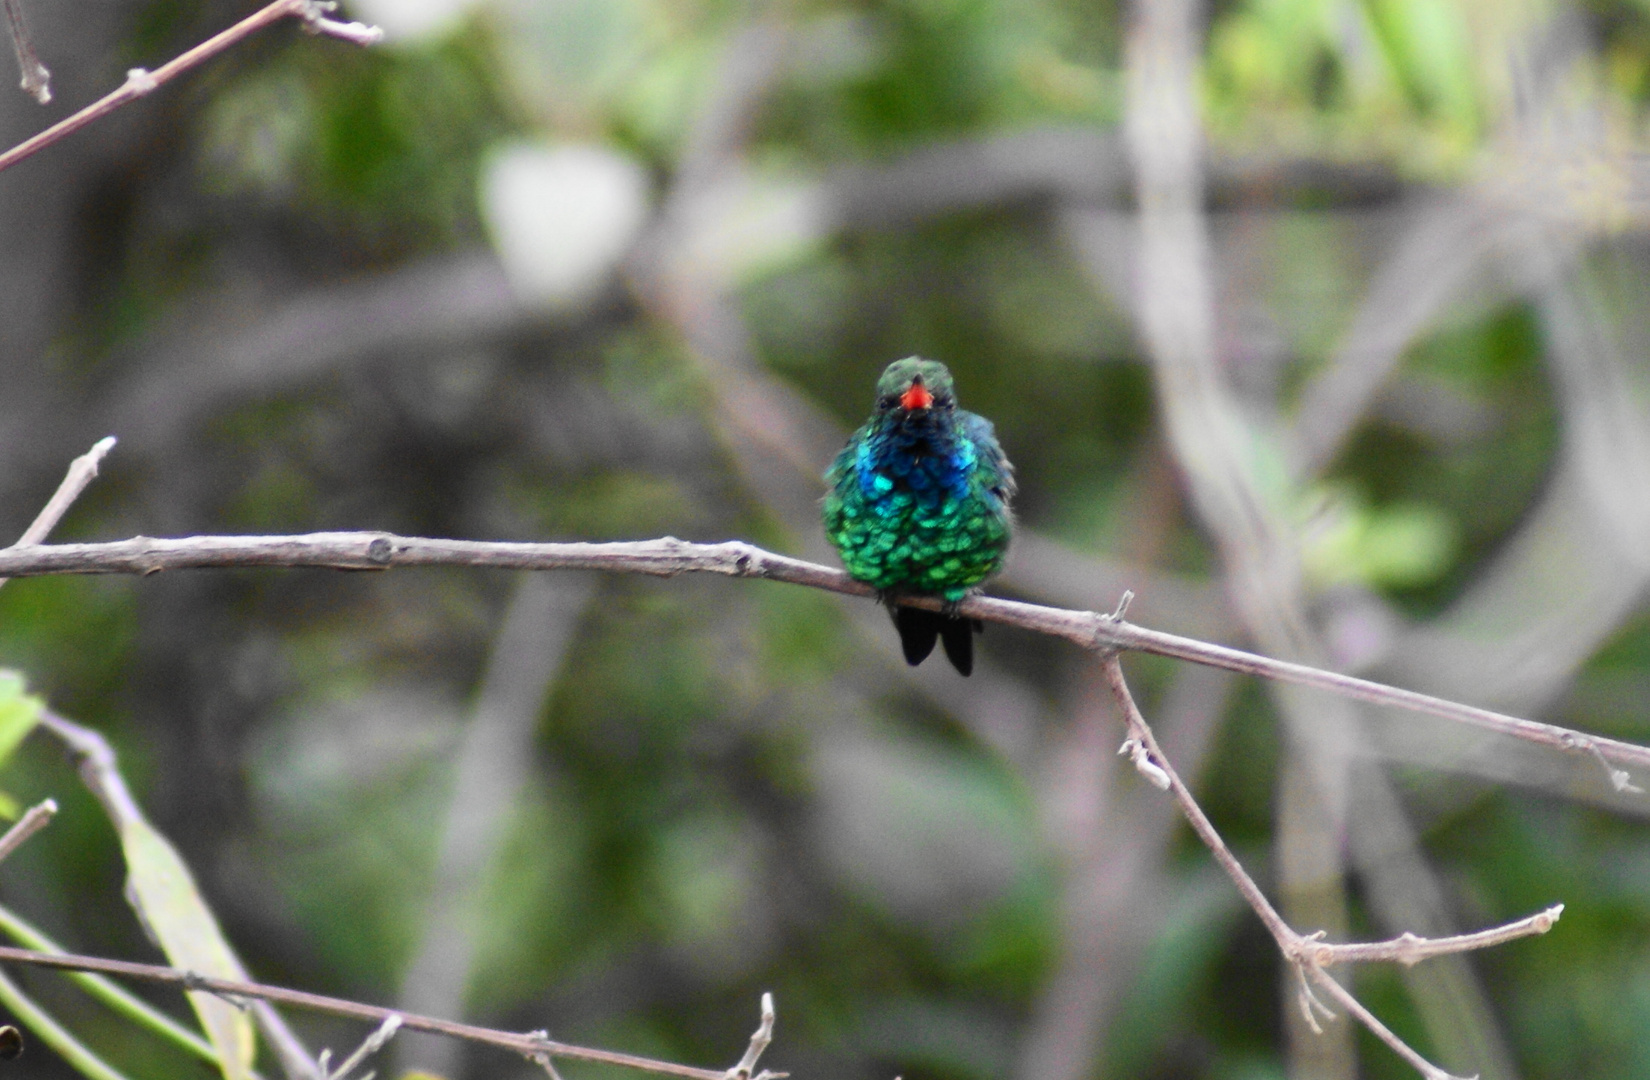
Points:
[1397,546]
[19,713]
[165,896]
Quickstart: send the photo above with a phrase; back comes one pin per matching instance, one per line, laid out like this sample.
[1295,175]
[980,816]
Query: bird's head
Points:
[915,386]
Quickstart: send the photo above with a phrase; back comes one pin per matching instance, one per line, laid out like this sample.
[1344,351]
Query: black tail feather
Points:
[957,635]
[919,630]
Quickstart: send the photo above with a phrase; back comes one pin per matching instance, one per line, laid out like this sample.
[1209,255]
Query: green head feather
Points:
[899,375]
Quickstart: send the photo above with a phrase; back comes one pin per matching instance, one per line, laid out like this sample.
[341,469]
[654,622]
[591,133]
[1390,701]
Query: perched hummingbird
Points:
[917,502]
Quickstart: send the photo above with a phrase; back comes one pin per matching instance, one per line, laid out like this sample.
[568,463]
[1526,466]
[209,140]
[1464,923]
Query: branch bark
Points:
[668,557]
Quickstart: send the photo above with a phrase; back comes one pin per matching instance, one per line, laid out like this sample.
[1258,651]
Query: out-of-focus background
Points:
[1319,324]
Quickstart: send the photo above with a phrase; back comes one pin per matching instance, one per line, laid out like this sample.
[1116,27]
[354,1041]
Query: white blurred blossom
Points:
[562,217]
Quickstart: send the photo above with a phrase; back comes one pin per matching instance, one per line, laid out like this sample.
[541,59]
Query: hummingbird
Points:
[918,503]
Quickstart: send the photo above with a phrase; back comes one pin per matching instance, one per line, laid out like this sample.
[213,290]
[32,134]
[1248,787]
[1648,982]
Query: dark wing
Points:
[992,470]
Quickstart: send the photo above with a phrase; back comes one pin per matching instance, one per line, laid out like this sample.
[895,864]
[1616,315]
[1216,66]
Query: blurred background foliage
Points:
[605,269]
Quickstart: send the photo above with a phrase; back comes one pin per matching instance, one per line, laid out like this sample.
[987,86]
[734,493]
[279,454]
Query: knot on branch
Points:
[381,551]
[139,81]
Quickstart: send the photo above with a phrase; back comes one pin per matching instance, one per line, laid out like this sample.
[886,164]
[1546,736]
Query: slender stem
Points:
[526,1045]
[1409,950]
[43,1024]
[82,471]
[668,557]
[100,771]
[1139,730]
[760,1040]
[1373,1023]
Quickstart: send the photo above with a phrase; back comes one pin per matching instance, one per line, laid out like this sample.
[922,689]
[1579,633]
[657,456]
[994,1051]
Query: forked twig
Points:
[369,1046]
[140,82]
[82,470]
[759,1042]
[1309,954]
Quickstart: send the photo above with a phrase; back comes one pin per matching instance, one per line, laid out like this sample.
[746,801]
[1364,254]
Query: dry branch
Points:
[668,557]
[1309,954]
[140,82]
[527,1045]
[1408,949]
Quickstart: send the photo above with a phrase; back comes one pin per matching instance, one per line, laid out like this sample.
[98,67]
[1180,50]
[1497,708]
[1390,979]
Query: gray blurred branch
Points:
[492,767]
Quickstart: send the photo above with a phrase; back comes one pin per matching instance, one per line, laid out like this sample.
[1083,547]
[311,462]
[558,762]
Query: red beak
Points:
[916,397]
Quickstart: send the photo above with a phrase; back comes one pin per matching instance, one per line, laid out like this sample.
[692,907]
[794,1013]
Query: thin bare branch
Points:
[668,557]
[37,818]
[760,1040]
[1408,949]
[82,471]
[140,82]
[369,1046]
[1141,733]
[37,81]
[1373,1023]
[528,1045]
[1301,951]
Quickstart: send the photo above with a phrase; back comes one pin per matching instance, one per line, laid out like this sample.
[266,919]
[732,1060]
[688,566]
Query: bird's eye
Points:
[943,401]
[888,402]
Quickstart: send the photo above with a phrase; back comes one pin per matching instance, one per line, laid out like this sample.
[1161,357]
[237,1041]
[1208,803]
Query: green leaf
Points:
[164,894]
[19,712]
